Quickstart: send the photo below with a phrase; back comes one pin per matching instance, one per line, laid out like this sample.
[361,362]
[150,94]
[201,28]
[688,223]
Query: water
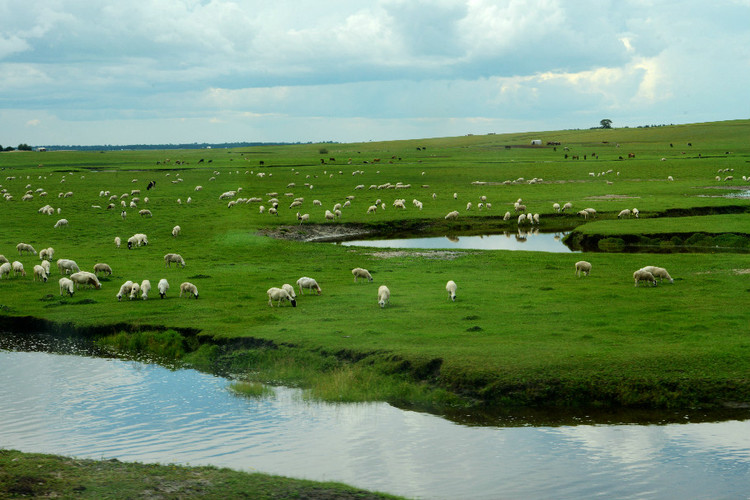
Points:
[520,240]
[108,408]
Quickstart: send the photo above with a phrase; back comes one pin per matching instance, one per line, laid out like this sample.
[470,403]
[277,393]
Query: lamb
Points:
[303,218]
[102,268]
[66,265]
[641,275]
[173,257]
[25,247]
[5,268]
[450,287]
[134,290]
[384,295]
[18,269]
[163,286]
[40,273]
[66,285]
[279,294]
[189,289]
[46,253]
[358,272]
[583,268]
[305,282]
[125,289]
[658,272]
[289,289]
[85,278]
[452,215]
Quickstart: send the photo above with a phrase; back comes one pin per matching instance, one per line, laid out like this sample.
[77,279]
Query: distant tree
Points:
[24,147]
[606,123]
[323,151]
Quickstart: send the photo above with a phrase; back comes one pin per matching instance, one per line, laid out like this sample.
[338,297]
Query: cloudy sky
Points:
[173,71]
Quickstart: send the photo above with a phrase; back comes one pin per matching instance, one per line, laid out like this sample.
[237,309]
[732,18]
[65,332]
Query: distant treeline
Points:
[194,145]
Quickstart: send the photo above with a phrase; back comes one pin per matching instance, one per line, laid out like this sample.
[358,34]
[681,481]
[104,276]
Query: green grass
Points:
[523,331]
[33,475]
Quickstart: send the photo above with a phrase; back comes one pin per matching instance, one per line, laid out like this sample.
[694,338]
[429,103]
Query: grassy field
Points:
[523,331]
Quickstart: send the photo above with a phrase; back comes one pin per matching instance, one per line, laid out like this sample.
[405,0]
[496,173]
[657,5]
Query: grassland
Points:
[524,330]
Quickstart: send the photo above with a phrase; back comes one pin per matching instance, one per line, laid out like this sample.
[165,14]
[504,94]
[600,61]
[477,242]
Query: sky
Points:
[78,72]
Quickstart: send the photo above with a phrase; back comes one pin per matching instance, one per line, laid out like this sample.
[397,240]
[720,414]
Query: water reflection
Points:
[102,408]
[522,239]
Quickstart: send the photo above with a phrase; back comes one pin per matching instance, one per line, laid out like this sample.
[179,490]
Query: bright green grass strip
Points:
[727,223]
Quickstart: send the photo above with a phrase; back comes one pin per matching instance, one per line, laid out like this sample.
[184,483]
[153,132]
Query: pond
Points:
[102,408]
[520,240]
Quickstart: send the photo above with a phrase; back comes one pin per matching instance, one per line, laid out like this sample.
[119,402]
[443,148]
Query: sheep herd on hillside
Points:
[73,278]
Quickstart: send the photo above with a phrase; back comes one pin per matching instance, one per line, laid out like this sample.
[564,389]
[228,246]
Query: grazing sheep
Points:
[66,285]
[624,213]
[102,268]
[566,207]
[584,214]
[25,247]
[173,257]
[590,211]
[176,231]
[189,289]
[372,209]
[583,268]
[641,275]
[450,287]
[163,286]
[45,265]
[61,222]
[289,289]
[5,268]
[18,269]
[310,283]
[384,295]
[85,278]
[3,259]
[452,215]
[125,289]
[658,272]
[66,266]
[507,216]
[40,273]
[556,207]
[358,272]
[118,241]
[46,253]
[144,213]
[636,212]
[303,218]
[279,294]
[522,218]
[134,290]
[468,206]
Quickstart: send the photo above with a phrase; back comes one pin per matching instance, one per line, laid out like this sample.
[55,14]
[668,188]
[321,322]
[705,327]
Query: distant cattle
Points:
[150,185]
[631,155]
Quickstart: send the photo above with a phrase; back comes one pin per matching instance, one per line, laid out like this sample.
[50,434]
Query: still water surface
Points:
[520,240]
[104,408]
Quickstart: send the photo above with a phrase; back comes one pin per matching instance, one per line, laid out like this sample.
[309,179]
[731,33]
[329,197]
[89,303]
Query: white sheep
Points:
[46,253]
[507,216]
[289,289]
[40,273]
[556,207]
[124,289]
[624,213]
[658,272]
[173,257]
[134,290]
[279,294]
[189,289]
[118,241]
[583,268]
[310,283]
[45,264]
[102,268]
[384,295]
[358,272]
[452,215]
[450,287]
[66,266]
[25,247]
[468,206]
[66,285]
[641,275]
[85,278]
[144,213]
[18,268]
[3,259]
[303,217]
[5,268]
[145,288]
[566,206]
[163,286]
[636,212]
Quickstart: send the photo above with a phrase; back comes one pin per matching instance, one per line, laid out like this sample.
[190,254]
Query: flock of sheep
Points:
[646,274]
